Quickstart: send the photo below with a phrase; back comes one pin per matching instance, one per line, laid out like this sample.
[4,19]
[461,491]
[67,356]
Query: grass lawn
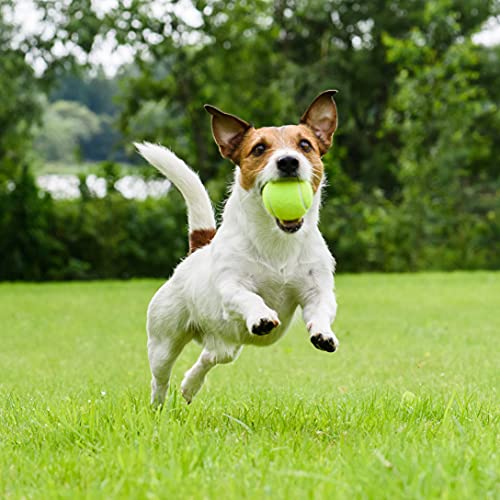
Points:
[407,408]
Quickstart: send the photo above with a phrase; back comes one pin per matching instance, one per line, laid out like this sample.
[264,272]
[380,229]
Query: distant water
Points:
[65,187]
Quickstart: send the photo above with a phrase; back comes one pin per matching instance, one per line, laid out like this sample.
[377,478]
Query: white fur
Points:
[200,212]
[251,271]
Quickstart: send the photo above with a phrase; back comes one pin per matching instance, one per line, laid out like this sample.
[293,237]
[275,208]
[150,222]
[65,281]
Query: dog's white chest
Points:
[278,290]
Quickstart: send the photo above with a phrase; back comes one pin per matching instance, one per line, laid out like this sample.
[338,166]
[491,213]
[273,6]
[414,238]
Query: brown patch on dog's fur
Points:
[277,138]
[199,238]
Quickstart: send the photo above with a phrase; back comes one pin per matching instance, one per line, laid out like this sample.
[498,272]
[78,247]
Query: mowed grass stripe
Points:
[407,408]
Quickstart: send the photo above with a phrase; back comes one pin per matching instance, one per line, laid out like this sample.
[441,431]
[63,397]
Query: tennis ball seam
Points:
[270,203]
[301,194]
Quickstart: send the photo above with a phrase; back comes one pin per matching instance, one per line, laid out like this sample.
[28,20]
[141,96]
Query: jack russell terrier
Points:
[242,283]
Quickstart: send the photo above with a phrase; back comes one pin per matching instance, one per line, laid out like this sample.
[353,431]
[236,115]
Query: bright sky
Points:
[111,57]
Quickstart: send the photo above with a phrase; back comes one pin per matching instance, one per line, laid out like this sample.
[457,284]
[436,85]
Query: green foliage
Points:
[413,174]
[65,125]
[93,238]
[292,49]
[447,124]
[19,105]
[27,247]
[115,237]
[90,238]
[97,94]
[406,408]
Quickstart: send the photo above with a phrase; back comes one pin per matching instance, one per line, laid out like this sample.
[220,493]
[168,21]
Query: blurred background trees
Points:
[413,174]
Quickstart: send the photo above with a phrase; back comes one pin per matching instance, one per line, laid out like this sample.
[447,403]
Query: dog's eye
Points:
[305,145]
[259,149]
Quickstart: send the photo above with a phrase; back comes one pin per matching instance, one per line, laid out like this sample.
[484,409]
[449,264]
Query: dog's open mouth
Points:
[290,226]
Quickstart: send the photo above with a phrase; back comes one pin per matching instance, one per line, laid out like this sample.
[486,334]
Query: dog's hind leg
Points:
[162,354]
[168,333]
[195,376]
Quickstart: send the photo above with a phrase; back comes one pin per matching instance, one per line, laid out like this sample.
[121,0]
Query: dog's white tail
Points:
[201,218]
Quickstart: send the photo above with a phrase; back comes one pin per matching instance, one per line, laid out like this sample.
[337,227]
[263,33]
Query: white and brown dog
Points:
[242,283]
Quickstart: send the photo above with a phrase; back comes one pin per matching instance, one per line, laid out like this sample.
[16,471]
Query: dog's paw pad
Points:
[324,342]
[264,326]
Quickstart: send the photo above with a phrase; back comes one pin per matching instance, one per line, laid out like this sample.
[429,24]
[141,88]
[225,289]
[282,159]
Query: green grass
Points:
[408,407]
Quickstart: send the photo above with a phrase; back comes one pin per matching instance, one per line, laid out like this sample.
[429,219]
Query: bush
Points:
[89,238]
[112,237]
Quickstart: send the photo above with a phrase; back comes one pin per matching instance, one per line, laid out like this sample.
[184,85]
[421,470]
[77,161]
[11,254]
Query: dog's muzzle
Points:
[290,226]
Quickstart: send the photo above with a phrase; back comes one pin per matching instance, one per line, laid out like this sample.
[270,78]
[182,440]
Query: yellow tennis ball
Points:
[288,199]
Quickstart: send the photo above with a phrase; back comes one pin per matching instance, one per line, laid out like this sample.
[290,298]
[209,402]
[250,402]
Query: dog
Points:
[241,283]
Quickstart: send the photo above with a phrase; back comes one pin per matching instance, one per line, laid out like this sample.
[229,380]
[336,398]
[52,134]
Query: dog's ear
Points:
[228,131]
[321,117]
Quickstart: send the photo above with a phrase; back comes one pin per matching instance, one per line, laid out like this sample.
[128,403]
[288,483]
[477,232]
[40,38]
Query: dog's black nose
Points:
[288,166]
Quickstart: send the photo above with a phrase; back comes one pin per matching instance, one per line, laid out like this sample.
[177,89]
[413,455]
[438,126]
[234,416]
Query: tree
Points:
[19,102]
[96,92]
[65,126]
[265,60]
[447,122]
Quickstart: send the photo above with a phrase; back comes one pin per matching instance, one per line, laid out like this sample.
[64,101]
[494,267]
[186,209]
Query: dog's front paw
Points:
[325,342]
[322,337]
[263,325]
